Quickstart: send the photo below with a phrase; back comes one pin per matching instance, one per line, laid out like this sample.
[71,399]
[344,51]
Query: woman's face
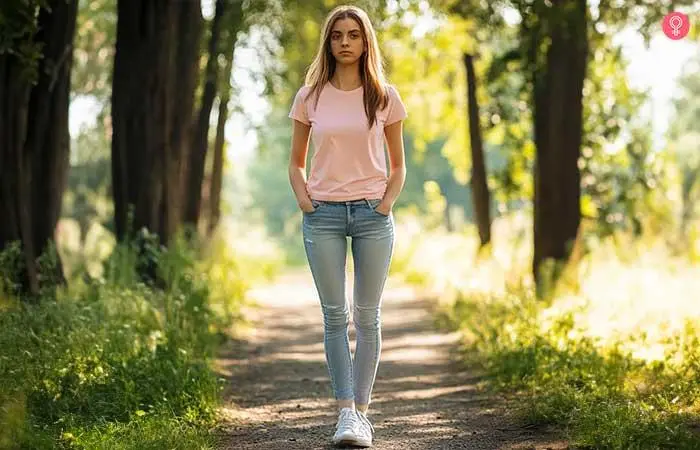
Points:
[347,43]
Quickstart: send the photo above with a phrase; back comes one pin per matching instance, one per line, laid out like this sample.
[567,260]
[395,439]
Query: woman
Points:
[349,110]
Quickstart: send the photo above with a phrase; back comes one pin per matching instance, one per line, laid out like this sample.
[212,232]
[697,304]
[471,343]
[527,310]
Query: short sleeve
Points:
[397,110]
[299,111]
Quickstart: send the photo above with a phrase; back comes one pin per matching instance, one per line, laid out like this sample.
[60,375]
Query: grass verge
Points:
[114,363]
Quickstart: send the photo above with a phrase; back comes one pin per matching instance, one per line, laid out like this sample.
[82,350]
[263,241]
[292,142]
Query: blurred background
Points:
[637,143]
[552,151]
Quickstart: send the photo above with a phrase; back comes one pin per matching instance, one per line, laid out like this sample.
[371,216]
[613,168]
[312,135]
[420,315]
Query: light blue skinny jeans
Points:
[325,233]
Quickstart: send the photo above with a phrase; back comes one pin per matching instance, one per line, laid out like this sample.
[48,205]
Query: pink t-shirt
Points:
[348,162]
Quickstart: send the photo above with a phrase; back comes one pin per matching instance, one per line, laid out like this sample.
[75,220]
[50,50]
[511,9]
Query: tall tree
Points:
[36,54]
[235,24]
[200,141]
[557,48]
[217,172]
[152,97]
[480,190]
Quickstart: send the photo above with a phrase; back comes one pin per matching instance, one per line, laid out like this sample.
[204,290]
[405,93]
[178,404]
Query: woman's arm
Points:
[297,164]
[397,174]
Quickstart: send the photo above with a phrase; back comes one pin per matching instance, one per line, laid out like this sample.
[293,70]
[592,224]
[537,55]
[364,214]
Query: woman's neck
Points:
[347,78]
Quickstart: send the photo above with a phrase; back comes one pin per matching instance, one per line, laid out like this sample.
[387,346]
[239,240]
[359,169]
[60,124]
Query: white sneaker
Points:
[364,431]
[345,429]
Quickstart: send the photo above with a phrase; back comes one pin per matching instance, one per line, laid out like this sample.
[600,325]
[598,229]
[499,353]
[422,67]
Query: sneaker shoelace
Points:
[347,420]
[365,420]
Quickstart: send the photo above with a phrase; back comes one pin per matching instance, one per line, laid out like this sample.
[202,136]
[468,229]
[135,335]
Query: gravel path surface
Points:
[278,395]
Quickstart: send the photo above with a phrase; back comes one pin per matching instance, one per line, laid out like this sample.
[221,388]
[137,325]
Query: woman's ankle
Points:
[346,404]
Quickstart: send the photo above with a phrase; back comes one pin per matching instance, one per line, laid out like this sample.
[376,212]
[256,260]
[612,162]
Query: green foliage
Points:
[18,26]
[683,136]
[429,72]
[620,171]
[95,37]
[144,431]
[11,268]
[602,396]
[114,363]
[13,272]
[507,119]
[619,168]
[641,15]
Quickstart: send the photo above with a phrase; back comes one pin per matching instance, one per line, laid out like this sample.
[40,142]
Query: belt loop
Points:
[368,203]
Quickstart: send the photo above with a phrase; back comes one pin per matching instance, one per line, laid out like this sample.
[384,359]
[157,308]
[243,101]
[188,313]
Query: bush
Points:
[115,362]
[602,395]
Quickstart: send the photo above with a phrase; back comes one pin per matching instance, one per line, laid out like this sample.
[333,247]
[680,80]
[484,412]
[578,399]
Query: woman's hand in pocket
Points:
[383,209]
[306,205]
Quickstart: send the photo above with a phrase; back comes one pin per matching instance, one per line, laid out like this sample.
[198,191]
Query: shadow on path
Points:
[278,394]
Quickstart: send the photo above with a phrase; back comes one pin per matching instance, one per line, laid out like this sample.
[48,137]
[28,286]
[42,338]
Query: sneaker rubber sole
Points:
[349,438]
[346,438]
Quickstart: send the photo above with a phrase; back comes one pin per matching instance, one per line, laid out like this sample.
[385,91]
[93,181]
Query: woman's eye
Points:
[338,36]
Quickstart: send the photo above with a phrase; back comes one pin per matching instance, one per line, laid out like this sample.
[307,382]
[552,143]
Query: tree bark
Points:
[140,134]
[35,142]
[185,79]
[217,175]
[218,166]
[155,75]
[558,112]
[480,190]
[15,168]
[198,154]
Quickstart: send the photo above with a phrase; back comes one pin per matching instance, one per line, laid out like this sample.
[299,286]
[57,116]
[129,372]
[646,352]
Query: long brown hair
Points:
[322,68]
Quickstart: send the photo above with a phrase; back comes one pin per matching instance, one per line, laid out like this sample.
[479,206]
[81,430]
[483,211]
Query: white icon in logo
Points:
[676,23]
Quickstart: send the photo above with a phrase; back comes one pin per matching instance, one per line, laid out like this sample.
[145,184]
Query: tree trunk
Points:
[34,142]
[198,154]
[218,165]
[185,79]
[15,167]
[155,66]
[480,190]
[558,112]
[224,97]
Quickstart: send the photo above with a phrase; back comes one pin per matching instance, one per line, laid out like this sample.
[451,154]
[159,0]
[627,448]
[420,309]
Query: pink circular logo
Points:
[676,25]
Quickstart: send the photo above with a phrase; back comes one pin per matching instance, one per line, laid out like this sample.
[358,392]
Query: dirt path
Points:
[278,395]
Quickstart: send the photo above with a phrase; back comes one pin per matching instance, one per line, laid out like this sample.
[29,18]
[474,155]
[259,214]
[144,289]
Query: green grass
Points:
[612,358]
[115,363]
[600,395]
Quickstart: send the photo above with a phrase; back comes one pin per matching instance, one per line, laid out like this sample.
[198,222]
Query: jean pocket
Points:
[316,204]
[373,204]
